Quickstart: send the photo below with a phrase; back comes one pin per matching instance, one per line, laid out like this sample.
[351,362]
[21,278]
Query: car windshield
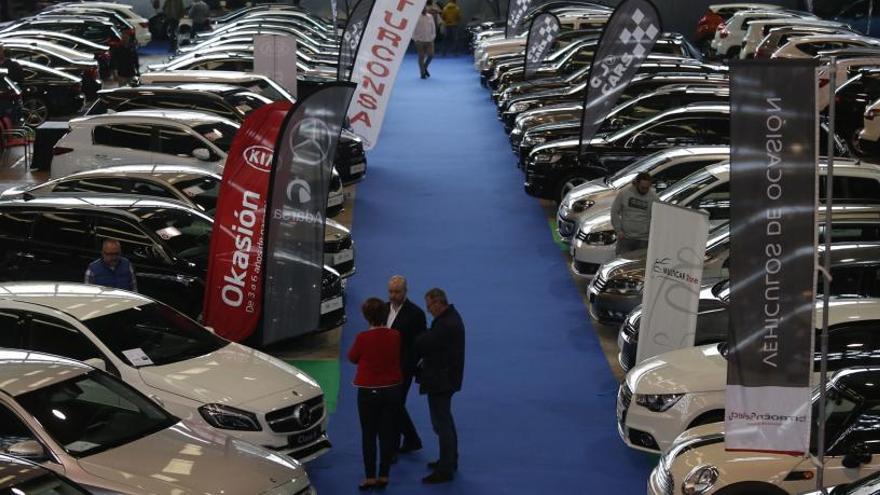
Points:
[46,484]
[202,191]
[637,110]
[246,102]
[218,133]
[687,187]
[186,233]
[840,405]
[153,335]
[94,412]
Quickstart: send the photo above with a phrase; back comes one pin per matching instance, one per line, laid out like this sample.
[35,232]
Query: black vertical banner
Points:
[298,188]
[542,34]
[351,38]
[516,10]
[626,41]
[773,151]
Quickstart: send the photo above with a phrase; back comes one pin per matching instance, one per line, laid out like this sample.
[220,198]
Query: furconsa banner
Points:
[233,290]
[625,43]
[379,54]
[542,34]
[773,162]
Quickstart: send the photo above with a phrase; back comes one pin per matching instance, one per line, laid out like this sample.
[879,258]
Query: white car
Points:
[709,190]
[257,83]
[810,46]
[141,26]
[730,35]
[698,463]
[871,123]
[845,70]
[758,31]
[666,167]
[107,437]
[664,395]
[141,137]
[210,383]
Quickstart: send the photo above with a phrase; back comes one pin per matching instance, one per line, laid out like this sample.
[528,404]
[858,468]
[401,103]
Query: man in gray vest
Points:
[631,214]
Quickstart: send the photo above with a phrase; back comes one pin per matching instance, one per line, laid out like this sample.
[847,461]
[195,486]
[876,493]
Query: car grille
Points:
[335,183]
[599,282]
[624,399]
[565,228]
[285,421]
[629,345]
[581,235]
[338,245]
[664,478]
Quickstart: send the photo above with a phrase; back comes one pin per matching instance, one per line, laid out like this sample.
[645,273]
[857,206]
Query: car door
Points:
[852,190]
[44,333]
[15,254]
[673,171]
[11,329]
[178,145]
[61,246]
[851,344]
[121,144]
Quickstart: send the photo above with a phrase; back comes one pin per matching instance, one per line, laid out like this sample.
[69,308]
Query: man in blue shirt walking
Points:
[112,269]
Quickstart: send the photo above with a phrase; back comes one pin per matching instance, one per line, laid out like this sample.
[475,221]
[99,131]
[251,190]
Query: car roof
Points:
[863,380]
[188,117]
[212,89]
[26,371]
[183,171]
[840,164]
[50,70]
[230,75]
[94,201]
[80,301]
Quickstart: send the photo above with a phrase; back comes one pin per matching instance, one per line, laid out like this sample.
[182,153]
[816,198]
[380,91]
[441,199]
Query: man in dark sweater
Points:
[441,370]
[409,320]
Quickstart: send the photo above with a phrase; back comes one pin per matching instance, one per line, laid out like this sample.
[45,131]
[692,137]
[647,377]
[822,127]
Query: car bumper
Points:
[612,308]
[659,482]
[591,256]
[655,432]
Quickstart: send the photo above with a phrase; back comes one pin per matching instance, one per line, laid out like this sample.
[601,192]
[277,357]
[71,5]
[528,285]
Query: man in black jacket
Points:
[409,320]
[441,370]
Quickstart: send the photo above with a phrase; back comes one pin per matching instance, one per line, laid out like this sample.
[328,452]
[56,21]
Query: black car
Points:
[94,30]
[230,102]
[47,92]
[855,273]
[119,22]
[101,53]
[55,238]
[42,53]
[21,477]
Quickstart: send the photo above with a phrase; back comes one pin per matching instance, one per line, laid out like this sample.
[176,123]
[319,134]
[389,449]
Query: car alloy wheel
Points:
[568,184]
[35,111]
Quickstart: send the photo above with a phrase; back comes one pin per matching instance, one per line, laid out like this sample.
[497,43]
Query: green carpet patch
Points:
[326,373]
[558,240]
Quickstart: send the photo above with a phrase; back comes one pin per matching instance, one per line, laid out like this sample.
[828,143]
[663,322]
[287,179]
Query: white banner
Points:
[382,47]
[275,57]
[673,271]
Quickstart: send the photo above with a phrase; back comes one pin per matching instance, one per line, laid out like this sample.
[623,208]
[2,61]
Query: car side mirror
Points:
[28,449]
[202,154]
[97,363]
[857,455]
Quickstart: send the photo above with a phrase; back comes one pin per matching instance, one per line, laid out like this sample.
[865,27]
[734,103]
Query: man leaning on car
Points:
[631,214]
[112,269]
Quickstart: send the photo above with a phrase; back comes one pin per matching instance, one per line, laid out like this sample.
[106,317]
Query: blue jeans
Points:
[440,406]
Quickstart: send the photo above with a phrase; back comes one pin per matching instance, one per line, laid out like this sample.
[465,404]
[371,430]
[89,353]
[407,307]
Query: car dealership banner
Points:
[381,50]
[234,285]
[516,11]
[542,34]
[275,58]
[774,131]
[298,187]
[351,38]
[673,271]
[626,41]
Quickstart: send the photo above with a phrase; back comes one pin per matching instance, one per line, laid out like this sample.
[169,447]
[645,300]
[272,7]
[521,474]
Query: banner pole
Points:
[826,278]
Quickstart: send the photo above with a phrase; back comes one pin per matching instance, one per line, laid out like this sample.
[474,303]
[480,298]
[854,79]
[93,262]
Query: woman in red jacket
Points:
[376,352]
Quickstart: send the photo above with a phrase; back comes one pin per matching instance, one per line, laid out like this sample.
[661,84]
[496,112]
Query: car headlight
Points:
[602,238]
[657,402]
[229,418]
[520,106]
[582,205]
[545,158]
[699,480]
[533,140]
[625,285]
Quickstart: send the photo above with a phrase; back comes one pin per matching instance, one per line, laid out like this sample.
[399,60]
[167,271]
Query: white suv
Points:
[215,386]
[730,35]
[142,137]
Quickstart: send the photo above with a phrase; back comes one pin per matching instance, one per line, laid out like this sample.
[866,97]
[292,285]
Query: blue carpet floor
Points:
[443,205]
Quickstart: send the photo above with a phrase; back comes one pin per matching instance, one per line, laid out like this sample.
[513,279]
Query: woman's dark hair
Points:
[374,311]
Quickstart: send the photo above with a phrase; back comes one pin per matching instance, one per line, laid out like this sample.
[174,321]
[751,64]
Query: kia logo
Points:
[259,157]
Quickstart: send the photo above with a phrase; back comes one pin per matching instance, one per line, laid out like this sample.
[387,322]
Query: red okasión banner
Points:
[233,288]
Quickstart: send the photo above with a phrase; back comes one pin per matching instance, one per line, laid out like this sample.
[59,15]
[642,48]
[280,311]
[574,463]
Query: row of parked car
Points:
[108,391]
[673,122]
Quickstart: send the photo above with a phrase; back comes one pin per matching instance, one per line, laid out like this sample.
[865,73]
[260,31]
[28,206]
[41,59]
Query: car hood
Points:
[688,370]
[598,221]
[181,460]
[626,267]
[704,445]
[587,190]
[234,375]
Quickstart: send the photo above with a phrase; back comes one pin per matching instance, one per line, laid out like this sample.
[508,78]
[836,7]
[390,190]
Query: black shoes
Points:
[427,73]
[435,464]
[406,448]
[424,76]
[437,477]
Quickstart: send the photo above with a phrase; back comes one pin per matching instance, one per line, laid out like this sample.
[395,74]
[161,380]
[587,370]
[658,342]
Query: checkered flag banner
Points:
[516,10]
[626,41]
[351,38]
[542,34]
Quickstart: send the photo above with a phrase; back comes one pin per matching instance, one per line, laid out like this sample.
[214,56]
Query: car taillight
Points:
[870,114]
[61,150]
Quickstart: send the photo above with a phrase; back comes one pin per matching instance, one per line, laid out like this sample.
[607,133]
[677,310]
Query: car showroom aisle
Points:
[443,205]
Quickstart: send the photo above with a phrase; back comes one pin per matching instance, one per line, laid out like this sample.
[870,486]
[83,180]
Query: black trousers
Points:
[408,434]
[440,406]
[378,409]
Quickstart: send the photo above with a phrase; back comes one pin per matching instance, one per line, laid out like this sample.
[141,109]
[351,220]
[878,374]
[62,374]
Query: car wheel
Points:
[568,183]
[751,488]
[35,111]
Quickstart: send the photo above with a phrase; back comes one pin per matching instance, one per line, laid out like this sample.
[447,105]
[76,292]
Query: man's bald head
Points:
[397,290]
